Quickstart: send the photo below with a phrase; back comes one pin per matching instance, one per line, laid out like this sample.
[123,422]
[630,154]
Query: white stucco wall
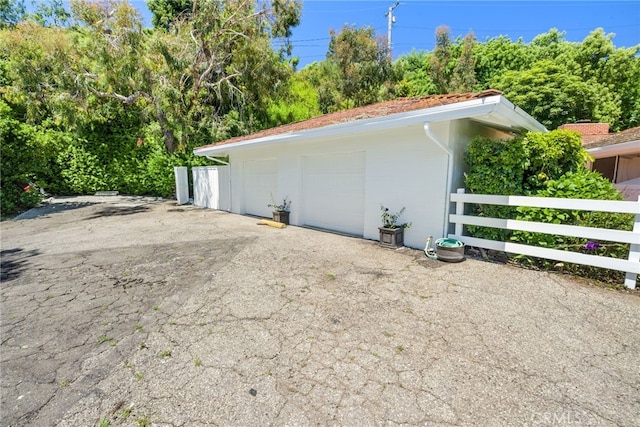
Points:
[404,168]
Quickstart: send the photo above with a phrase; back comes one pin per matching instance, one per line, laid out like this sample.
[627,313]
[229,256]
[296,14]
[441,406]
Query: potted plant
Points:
[281,210]
[392,233]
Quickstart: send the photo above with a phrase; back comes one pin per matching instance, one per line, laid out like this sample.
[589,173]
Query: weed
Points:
[63,383]
[156,308]
[138,375]
[124,414]
[197,361]
[138,327]
[104,422]
[400,348]
[388,334]
[103,339]
[172,323]
[143,345]
[165,353]
[143,422]
[331,276]
[425,296]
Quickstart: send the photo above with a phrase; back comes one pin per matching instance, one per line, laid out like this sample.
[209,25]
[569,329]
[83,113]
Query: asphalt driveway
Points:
[135,311]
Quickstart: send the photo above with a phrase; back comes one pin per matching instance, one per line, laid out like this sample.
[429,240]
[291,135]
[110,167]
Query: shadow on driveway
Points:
[51,208]
[13,262]
[117,211]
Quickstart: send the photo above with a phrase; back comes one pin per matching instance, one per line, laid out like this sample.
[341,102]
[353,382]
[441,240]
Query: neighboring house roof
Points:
[487,106]
[620,143]
[588,131]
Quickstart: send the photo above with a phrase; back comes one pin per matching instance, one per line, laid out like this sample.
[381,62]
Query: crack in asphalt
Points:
[141,320]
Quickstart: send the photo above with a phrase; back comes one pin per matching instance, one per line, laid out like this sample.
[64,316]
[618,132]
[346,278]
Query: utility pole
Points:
[390,21]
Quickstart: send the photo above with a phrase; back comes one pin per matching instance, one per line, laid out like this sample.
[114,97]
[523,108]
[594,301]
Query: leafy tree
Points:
[298,102]
[11,12]
[363,62]
[441,60]
[554,96]
[453,64]
[165,12]
[36,72]
[598,62]
[50,13]
[464,77]
[498,55]
[324,77]
[413,75]
[197,79]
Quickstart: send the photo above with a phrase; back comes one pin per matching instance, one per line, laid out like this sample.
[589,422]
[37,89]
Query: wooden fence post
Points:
[459,211]
[634,254]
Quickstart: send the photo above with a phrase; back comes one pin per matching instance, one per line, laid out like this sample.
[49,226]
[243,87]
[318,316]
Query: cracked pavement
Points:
[135,311]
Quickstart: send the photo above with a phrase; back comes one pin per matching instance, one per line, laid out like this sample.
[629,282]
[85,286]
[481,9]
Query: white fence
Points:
[631,265]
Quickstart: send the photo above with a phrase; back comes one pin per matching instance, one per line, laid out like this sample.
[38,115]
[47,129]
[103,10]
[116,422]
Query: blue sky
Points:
[416,21]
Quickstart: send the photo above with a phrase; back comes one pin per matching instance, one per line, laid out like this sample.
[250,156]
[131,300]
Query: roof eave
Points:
[620,149]
[492,110]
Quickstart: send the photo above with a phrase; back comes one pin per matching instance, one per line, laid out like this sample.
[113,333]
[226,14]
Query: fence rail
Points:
[631,265]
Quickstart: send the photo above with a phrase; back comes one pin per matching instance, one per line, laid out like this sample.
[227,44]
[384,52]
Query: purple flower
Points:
[590,246]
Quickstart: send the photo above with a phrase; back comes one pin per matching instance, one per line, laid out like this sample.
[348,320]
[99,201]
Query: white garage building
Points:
[337,169]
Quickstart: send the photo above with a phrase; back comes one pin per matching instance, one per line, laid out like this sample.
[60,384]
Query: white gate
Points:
[211,187]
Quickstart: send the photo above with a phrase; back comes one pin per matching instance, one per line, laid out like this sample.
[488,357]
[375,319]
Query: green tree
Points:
[165,12]
[299,101]
[555,96]
[211,76]
[363,62]
[413,75]
[11,12]
[50,13]
[441,67]
[324,77]
[464,76]
[498,55]
[599,62]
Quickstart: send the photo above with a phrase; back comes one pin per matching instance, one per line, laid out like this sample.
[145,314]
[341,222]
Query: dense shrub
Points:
[27,156]
[579,185]
[544,165]
[518,166]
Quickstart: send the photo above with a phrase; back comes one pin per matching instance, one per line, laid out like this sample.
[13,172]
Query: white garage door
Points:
[333,192]
[260,182]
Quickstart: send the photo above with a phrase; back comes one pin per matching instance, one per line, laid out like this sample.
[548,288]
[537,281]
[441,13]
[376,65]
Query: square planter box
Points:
[391,237]
[281,216]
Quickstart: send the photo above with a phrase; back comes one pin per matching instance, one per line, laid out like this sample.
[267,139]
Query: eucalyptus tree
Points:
[209,76]
[363,62]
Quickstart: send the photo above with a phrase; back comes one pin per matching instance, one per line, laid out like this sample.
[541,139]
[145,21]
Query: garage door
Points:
[333,192]
[260,182]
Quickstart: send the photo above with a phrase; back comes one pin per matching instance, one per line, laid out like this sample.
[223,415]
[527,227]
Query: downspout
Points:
[222,162]
[449,152]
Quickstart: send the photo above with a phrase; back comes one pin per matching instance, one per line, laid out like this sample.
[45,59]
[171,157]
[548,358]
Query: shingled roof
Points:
[400,105]
[628,135]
